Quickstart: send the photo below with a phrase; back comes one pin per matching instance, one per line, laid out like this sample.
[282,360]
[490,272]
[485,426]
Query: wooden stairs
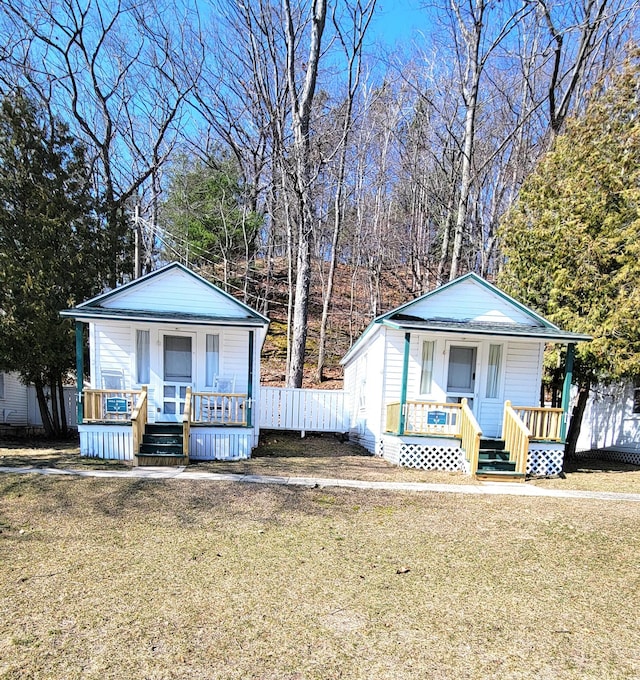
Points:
[162,445]
[494,464]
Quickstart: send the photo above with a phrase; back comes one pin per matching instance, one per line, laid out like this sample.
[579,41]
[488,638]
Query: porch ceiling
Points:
[407,323]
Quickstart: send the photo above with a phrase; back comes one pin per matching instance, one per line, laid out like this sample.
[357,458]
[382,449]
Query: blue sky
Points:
[398,20]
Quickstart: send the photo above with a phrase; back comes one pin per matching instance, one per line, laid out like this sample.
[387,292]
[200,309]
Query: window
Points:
[142,357]
[427,366]
[212,359]
[636,395]
[1,385]
[493,372]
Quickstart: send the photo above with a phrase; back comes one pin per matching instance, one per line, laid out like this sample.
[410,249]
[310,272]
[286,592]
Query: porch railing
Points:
[516,437]
[471,434]
[542,423]
[109,405]
[217,408]
[186,423]
[139,420]
[421,417]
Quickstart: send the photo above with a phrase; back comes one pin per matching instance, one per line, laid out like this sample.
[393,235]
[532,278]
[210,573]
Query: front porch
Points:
[447,436]
[213,425]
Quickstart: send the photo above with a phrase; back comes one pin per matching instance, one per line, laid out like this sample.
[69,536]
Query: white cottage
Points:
[611,423]
[174,371]
[451,381]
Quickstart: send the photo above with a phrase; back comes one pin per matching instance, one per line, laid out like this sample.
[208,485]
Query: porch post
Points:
[403,387]
[250,382]
[566,387]
[79,369]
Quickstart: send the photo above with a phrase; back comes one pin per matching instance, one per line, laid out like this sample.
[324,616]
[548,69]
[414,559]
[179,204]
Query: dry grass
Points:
[593,474]
[286,454]
[146,579]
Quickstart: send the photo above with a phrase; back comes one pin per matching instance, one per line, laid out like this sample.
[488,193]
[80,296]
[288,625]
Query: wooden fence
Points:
[305,410]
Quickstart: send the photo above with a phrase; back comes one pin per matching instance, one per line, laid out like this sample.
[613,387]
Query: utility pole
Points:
[137,240]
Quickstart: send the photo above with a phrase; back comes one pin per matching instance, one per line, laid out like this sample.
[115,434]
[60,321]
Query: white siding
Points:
[112,350]
[466,301]
[14,405]
[176,291]
[609,421]
[524,373]
[364,384]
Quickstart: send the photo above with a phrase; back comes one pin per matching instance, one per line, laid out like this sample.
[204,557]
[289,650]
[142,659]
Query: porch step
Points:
[162,445]
[499,476]
[493,454]
[155,448]
[161,459]
[496,464]
[163,428]
[489,443]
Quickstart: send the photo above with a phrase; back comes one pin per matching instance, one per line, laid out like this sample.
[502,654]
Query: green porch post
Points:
[79,369]
[250,382]
[403,387]
[566,387]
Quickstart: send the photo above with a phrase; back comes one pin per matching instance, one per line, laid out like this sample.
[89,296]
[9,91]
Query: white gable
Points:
[468,301]
[175,291]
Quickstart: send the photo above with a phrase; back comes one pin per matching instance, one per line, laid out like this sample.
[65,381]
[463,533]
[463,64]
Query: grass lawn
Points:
[286,454]
[112,578]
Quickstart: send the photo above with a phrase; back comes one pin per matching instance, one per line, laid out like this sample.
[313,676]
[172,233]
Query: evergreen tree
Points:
[572,242]
[52,249]
[206,213]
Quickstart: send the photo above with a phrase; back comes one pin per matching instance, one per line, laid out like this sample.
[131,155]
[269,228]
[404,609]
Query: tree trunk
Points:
[44,409]
[64,430]
[576,419]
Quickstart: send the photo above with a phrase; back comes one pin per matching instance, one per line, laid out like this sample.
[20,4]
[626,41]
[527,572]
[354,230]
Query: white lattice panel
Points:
[424,457]
[631,457]
[545,462]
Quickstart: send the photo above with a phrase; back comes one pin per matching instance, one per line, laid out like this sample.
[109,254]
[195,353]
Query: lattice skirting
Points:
[422,456]
[631,457]
[431,457]
[544,462]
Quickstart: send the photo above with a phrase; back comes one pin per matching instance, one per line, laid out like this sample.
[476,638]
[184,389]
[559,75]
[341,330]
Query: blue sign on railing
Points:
[116,405]
[436,418]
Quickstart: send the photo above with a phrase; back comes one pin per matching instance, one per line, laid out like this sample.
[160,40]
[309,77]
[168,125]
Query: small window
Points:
[493,372]
[142,357]
[427,366]
[1,385]
[212,359]
[636,396]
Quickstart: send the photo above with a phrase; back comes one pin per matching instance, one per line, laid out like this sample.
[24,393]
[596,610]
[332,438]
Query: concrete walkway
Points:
[483,489]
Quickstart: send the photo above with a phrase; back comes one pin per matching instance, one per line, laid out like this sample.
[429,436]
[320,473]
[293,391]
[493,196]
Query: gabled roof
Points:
[472,306]
[171,294]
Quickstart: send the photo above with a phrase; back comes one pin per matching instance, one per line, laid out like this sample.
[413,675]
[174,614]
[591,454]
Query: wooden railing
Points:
[471,435]
[422,417]
[542,423]
[109,405]
[186,424]
[139,420]
[217,408]
[516,437]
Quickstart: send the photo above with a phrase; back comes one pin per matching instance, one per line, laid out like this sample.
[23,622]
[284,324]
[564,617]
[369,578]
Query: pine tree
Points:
[52,247]
[572,242]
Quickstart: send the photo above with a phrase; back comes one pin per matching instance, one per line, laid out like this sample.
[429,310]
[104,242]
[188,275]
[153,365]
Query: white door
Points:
[177,362]
[461,374]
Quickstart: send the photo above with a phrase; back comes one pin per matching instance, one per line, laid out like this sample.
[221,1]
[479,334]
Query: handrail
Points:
[186,424]
[139,420]
[471,435]
[516,437]
[219,408]
[96,404]
[542,423]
